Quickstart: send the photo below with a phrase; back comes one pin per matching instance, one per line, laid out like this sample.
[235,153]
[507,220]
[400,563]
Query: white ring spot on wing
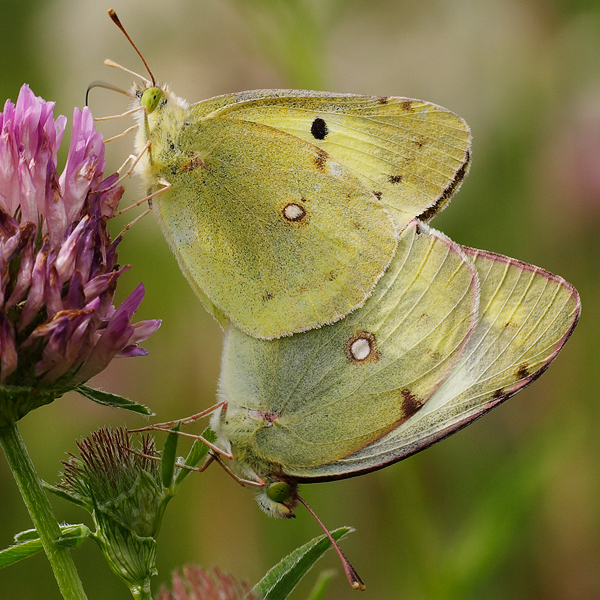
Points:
[293,212]
[360,348]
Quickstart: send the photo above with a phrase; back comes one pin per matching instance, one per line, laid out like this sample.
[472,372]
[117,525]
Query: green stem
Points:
[141,592]
[40,511]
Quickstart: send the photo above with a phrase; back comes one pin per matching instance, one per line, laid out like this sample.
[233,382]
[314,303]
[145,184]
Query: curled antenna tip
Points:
[106,86]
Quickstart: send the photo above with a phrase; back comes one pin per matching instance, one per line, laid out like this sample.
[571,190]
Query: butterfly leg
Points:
[258,482]
[125,114]
[185,421]
[201,469]
[145,199]
[168,427]
[132,160]
[120,135]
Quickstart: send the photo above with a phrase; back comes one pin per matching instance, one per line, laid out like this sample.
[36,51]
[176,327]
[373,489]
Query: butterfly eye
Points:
[279,492]
[151,98]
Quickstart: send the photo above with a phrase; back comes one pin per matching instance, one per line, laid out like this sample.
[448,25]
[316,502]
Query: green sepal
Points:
[28,543]
[68,496]
[318,591]
[197,452]
[108,399]
[169,456]
[130,556]
[280,581]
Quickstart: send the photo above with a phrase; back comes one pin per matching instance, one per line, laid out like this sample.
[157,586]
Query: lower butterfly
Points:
[449,333]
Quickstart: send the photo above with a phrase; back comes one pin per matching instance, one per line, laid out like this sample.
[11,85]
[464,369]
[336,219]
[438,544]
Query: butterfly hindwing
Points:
[321,395]
[526,316]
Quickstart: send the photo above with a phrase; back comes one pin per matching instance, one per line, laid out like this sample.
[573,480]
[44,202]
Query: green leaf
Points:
[19,551]
[318,592]
[197,453]
[108,399]
[73,535]
[25,536]
[281,580]
[29,543]
[169,456]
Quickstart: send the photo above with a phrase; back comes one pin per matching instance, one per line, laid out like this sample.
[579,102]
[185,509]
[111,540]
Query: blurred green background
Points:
[508,508]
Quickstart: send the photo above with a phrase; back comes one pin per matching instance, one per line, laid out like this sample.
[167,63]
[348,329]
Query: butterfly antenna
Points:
[112,63]
[113,15]
[353,578]
[106,86]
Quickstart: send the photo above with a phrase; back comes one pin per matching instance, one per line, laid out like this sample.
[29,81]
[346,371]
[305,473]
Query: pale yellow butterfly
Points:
[283,206]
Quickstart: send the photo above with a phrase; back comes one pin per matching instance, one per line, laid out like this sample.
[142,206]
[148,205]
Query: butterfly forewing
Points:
[325,393]
[274,232]
[526,316]
[411,154]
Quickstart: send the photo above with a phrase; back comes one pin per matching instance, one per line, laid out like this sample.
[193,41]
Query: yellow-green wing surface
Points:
[412,154]
[270,229]
[298,403]
[526,316]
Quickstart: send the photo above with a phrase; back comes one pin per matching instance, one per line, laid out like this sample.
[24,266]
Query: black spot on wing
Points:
[319,129]
[395,178]
[523,371]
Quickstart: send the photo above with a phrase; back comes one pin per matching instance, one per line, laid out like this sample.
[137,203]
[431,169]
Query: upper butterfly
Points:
[283,207]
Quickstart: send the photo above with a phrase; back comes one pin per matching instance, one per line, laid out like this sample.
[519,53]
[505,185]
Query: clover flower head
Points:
[194,583]
[58,265]
[122,489]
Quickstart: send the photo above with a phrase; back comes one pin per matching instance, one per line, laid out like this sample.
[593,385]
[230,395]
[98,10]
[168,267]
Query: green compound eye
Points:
[150,98]
[279,492]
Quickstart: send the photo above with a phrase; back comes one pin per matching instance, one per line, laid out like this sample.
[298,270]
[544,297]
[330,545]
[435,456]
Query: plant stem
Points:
[39,508]
[141,592]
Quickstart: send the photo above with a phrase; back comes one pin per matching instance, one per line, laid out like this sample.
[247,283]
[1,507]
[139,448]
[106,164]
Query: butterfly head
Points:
[150,98]
[155,98]
[278,497]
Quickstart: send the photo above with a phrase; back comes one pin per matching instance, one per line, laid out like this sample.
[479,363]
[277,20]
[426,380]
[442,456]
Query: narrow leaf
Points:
[169,456]
[196,454]
[318,592]
[29,543]
[61,493]
[108,399]
[280,581]
[19,551]
[25,536]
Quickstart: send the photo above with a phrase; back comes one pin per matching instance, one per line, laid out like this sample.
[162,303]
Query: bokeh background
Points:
[509,507]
